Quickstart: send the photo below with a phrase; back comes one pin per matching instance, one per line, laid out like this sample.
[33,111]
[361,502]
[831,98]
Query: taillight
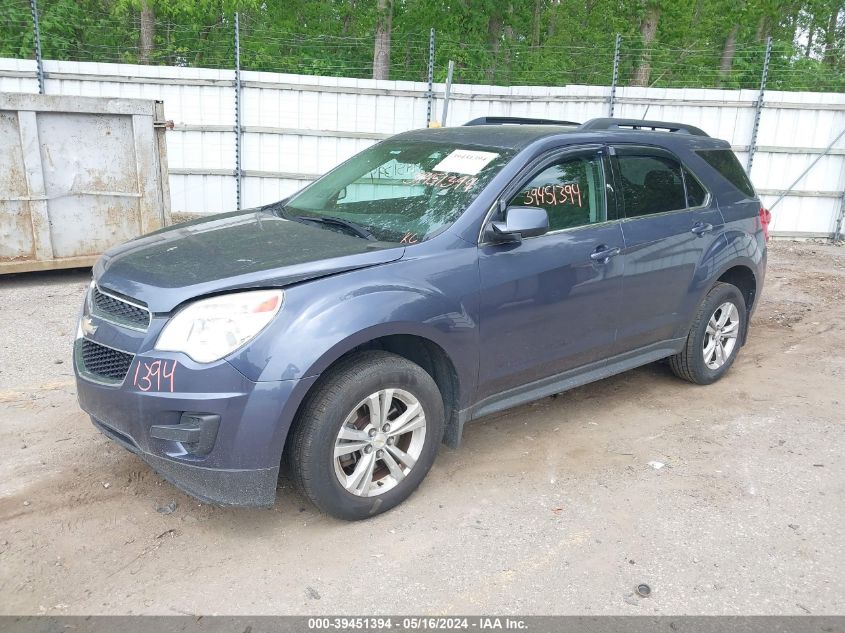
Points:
[765,219]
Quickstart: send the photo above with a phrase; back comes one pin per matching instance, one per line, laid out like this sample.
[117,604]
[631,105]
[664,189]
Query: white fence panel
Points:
[295,127]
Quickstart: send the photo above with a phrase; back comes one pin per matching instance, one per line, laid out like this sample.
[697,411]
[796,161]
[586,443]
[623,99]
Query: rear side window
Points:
[651,184]
[724,161]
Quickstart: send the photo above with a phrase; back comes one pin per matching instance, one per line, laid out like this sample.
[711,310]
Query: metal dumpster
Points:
[77,176]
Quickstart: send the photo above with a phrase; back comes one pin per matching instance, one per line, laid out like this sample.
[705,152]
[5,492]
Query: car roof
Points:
[520,135]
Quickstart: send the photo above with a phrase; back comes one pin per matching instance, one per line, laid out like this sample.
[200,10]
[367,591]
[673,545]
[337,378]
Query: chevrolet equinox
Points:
[436,277]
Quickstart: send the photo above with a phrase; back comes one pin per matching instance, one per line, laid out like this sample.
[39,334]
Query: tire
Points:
[690,363]
[342,399]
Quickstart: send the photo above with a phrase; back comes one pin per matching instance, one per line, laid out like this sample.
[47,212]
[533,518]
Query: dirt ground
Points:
[552,508]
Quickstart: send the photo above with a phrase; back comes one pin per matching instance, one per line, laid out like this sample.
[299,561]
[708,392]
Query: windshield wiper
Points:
[357,229]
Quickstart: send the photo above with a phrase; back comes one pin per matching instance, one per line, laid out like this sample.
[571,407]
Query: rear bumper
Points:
[761,280]
[233,461]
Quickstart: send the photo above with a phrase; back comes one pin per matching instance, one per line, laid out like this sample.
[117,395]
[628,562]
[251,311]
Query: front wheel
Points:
[367,436]
[714,339]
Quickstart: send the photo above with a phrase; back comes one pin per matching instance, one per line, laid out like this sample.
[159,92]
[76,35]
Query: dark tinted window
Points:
[571,192]
[696,195]
[651,184]
[724,161]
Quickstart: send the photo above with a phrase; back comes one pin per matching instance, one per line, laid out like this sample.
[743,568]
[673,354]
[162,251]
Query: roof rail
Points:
[515,120]
[637,124]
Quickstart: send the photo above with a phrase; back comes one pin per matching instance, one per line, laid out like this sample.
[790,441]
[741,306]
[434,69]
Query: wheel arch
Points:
[742,272]
[434,360]
[743,277]
[417,347]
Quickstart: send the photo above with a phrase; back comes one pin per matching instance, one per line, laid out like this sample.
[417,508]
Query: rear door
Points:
[550,303]
[667,229]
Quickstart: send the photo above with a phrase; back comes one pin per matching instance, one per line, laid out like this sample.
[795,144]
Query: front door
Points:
[550,303]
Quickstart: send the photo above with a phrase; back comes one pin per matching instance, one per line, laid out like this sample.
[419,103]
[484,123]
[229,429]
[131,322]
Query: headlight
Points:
[210,329]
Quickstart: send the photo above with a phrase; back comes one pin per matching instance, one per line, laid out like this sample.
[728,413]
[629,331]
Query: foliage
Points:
[536,42]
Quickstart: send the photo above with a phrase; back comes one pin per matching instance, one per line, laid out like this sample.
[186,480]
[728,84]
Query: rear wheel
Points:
[367,436]
[714,339]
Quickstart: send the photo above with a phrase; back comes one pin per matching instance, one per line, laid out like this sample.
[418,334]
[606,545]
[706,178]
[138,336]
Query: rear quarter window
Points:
[725,162]
[696,194]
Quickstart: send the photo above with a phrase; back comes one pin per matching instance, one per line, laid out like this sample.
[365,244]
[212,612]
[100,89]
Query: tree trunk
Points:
[810,33]
[728,53]
[830,38]
[762,29]
[648,31]
[347,19]
[146,42]
[696,15]
[206,31]
[535,25]
[381,52]
[506,57]
[494,39]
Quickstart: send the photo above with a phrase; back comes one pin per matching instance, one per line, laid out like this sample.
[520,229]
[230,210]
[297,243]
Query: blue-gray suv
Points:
[434,278]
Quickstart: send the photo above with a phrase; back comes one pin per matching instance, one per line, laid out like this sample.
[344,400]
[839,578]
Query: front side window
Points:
[398,190]
[651,184]
[570,190]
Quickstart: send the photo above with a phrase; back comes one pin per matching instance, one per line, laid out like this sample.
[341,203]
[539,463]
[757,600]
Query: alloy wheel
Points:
[720,337]
[379,442]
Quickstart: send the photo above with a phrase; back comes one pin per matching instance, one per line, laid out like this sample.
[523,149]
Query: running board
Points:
[559,383]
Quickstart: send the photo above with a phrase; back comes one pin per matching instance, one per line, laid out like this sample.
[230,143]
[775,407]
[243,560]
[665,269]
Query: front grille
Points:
[103,361]
[119,310]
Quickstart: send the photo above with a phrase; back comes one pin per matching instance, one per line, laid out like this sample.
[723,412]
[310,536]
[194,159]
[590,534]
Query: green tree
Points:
[701,43]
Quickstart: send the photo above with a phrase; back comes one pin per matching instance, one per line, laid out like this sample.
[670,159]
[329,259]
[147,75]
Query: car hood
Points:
[230,251]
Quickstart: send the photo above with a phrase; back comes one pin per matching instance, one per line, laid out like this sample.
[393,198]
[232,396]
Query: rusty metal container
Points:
[77,176]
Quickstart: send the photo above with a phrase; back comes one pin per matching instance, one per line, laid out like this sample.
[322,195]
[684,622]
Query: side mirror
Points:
[519,222]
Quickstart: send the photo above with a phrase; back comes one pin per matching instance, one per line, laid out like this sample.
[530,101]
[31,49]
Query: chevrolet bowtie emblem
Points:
[88,327]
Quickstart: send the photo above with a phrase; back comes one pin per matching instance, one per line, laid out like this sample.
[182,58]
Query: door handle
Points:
[603,253]
[700,228]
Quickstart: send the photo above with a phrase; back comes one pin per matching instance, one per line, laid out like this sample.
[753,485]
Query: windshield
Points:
[397,190]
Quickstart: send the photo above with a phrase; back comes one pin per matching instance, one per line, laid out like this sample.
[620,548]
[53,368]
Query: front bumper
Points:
[237,463]
[252,487]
